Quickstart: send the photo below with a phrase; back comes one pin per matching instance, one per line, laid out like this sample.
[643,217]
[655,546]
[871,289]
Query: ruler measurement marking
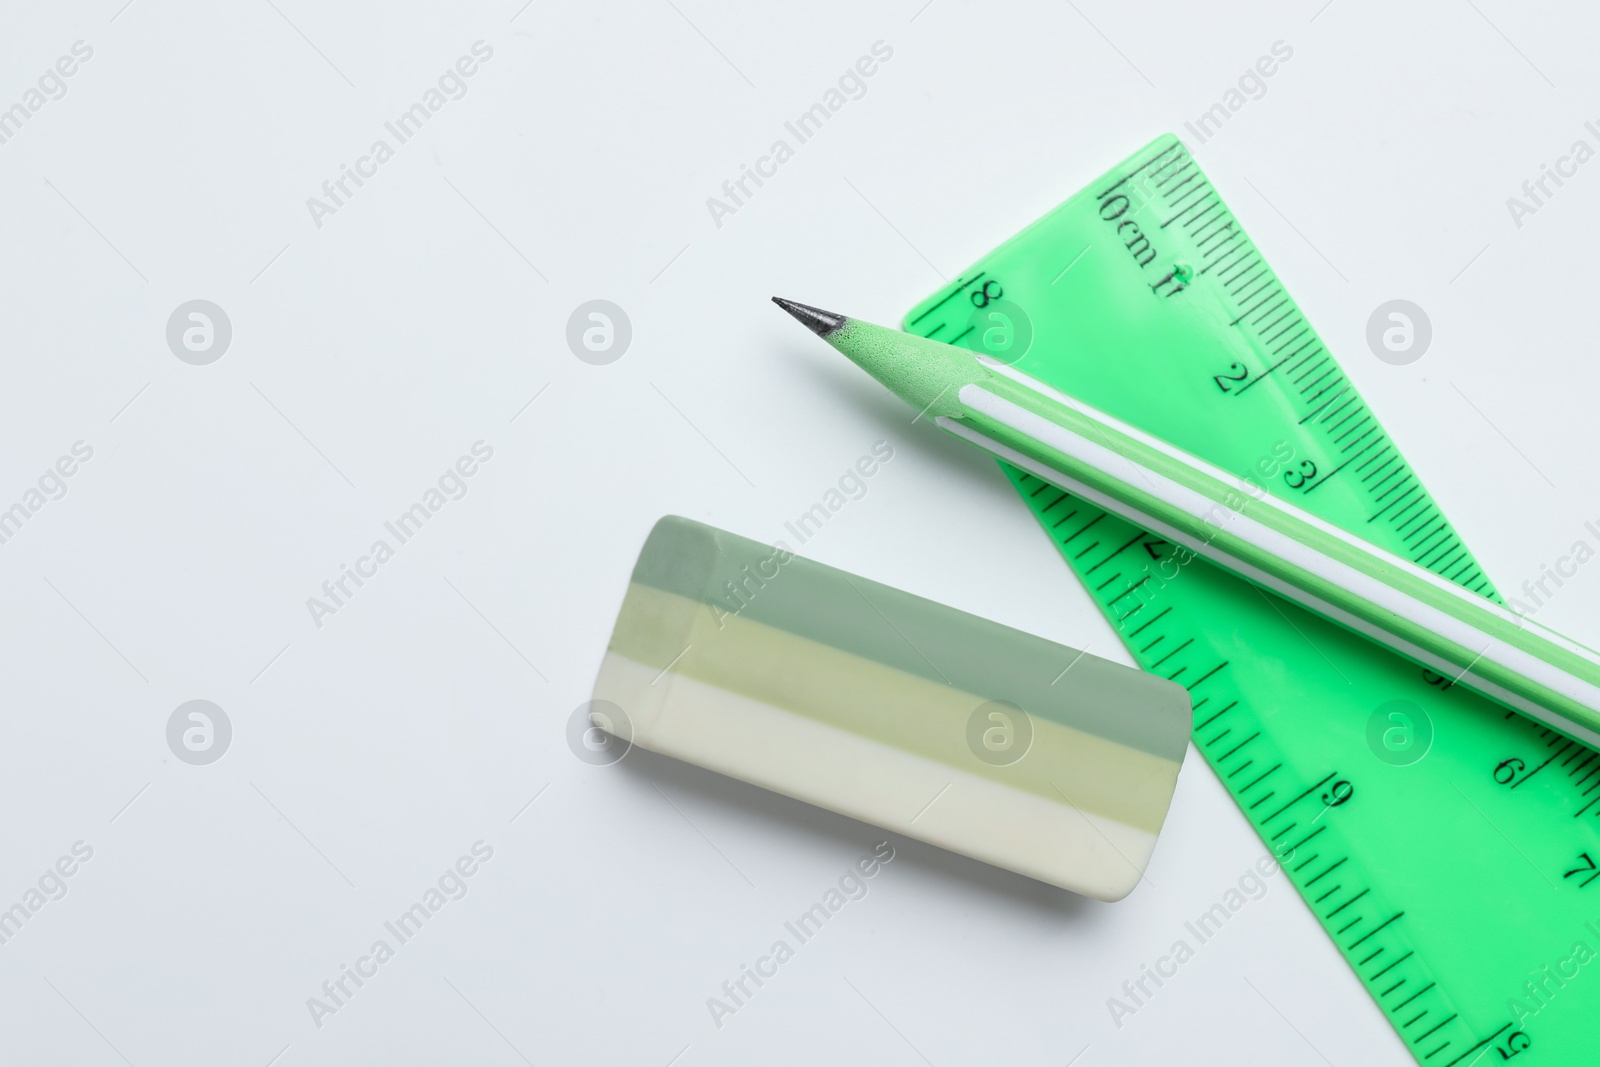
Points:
[1150,622]
[1395,488]
[1197,231]
[1235,242]
[1319,350]
[1298,320]
[1312,370]
[1328,401]
[1240,745]
[1241,768]
[1131,541]
[1132,588]
[1373,429]
[1320,783]
[1171,193]
[1437,1026]
[1193,224]
[1449,543]
[1239,246]
[1263,329]
[1392,966]
[1309,342]
[1208,674]
[1431,543]
[1296,846]
[1065,517]
[1243,245]
[1334,369]
[1085,529]
[1444,561]
[1478,1046]
[1206,190]
[1218,240]
[1381,466]
[1326,359]
[1375,929]
[1197,205]
[1200,189]
[1188,161]
[1402,469]
[1268,284]
[1238,271]
[1174,652]
[1413,996]
[1328,426]
[1419,537]
[1243,276]
[1429,513]
[1346,904]
[1218,715]
[1366,417]
[1335,865]
[1397,499]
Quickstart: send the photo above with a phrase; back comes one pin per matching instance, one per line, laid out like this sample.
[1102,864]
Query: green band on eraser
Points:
[894,709]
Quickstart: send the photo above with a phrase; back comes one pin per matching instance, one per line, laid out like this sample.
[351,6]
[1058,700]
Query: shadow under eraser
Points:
[893,709]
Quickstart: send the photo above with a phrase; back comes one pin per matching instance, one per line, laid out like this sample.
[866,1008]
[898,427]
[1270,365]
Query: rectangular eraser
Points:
[892,709]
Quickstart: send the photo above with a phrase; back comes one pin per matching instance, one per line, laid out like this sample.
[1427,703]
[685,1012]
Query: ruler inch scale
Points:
[1449,852]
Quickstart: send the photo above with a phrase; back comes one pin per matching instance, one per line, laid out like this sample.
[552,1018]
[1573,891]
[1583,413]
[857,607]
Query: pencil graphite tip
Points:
[925,373]
[819,322]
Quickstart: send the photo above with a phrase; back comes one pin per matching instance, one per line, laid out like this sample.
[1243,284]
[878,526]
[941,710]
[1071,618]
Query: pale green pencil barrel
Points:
[1264,539]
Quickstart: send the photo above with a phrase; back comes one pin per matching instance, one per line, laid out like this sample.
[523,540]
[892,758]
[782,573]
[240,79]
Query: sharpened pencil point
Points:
[819,322]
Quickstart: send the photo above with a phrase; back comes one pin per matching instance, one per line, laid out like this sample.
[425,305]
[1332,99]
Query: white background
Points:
[369,353]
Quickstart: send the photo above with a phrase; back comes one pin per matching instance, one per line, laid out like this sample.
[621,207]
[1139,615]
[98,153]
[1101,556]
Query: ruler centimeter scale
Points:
[1446,846]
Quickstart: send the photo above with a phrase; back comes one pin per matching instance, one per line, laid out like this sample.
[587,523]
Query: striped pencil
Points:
[1260,538]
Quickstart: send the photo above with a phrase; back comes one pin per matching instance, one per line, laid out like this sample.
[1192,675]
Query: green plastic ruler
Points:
[1461,886]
